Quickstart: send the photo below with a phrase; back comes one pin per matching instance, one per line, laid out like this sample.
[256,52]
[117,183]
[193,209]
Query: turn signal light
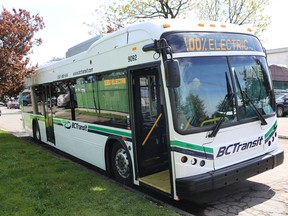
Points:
[166,25]
[184,159]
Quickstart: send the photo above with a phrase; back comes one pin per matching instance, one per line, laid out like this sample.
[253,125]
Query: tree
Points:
[118,13]
[198,107]
[17,29]
[239,12]
[150,9]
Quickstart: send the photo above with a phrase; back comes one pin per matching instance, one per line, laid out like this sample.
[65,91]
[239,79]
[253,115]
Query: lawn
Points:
[36,182]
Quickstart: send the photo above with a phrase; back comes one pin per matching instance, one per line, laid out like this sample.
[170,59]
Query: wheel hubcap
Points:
[122,163]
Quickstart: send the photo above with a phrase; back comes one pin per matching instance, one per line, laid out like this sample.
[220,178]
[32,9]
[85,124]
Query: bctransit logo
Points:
[66,124]
[74,125]
[237,147]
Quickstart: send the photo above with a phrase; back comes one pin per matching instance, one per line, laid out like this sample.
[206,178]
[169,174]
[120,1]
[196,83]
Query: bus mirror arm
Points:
[158,46]
[149,47]
[155,46]
[171,65]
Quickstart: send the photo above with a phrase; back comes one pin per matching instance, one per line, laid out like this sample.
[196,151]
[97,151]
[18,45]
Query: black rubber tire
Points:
[121,164]
[36,132]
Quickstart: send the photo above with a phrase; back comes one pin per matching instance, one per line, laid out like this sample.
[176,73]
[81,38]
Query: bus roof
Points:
[156,28]
[141,34]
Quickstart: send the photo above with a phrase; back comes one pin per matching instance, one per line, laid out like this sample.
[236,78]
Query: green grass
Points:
[35,182]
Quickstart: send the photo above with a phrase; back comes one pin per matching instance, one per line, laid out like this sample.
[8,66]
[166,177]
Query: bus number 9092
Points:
[132,58]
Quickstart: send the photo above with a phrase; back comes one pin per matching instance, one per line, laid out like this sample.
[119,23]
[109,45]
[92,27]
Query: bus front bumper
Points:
[188,186]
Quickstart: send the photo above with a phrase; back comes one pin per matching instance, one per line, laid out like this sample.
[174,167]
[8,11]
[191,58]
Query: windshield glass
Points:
[206,83]
[252,84]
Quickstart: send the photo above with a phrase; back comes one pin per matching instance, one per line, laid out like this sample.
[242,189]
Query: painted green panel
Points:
[271,130]
[199,148]
[110,131]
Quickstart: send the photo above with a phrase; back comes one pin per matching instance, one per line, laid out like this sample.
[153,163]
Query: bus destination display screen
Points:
[212,42]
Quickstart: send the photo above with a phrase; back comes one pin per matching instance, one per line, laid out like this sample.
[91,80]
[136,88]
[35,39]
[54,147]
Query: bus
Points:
[177,106]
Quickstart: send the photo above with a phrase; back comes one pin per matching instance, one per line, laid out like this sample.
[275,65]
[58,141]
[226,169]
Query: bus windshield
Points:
[201,99]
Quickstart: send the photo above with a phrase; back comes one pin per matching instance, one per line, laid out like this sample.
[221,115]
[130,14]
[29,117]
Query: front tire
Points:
[121,164]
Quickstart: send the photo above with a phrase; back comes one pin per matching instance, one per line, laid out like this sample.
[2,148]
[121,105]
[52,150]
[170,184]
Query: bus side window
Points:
[86,97]
[62,100]
[103,99]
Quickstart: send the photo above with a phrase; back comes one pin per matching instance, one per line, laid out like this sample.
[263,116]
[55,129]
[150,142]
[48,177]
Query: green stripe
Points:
[58,121]
[96,128]
[39,117]
[271,130]
[190,146]
[110,131]
[90,127]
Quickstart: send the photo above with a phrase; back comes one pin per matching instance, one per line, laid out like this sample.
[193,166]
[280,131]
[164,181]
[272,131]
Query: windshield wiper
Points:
[227,102]
[246,98]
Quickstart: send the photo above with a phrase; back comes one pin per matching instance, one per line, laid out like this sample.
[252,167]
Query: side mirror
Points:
[172,73]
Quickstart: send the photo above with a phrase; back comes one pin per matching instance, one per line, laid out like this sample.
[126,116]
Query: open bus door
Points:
[48,113]
[150,139]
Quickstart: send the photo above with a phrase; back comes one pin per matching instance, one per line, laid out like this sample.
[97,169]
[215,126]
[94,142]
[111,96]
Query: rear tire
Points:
[121,164]
[36,132]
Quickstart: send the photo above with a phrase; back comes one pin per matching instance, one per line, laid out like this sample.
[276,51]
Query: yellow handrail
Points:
[151,130]
[214,120]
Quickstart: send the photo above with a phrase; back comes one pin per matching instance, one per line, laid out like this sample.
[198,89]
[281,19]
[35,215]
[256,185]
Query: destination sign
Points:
[212,42]
[119,81]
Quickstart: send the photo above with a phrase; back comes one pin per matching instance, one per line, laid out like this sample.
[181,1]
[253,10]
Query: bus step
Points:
[160,180]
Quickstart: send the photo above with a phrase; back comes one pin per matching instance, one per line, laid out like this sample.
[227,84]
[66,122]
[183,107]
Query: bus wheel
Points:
[36,132]
[121,164]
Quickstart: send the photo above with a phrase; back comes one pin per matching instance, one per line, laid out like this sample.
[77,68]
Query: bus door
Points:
[150,129]
[48,111]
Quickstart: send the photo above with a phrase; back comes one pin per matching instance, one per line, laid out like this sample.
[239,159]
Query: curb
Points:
[282,137]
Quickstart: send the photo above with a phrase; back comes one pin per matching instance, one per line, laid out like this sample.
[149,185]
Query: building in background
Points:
[278,57]
[278,65]
[279,76]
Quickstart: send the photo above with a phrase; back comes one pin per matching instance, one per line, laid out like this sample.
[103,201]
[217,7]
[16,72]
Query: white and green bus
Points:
[178,106]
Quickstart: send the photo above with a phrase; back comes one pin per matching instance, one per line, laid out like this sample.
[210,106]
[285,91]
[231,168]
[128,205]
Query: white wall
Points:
[278,56]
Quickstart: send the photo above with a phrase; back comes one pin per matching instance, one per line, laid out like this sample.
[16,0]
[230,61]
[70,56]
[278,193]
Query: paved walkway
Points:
[11,121]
